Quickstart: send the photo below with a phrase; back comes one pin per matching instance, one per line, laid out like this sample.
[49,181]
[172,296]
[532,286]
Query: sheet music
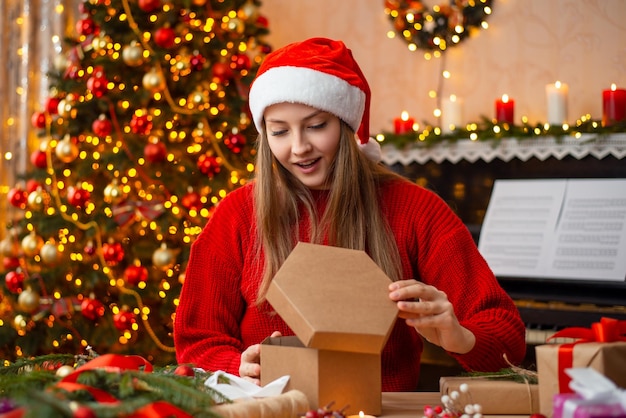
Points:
[566,229]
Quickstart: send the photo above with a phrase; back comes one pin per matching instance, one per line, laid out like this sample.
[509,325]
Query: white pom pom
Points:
[454,395]
[372,150]
[464,388]
[478,409]
[445,399]
[478,416]
[469,409]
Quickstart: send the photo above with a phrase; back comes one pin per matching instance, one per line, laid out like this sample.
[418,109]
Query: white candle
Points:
[451,114]
[556,95]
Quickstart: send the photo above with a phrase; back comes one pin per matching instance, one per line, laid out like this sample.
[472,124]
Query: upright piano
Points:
[463,174]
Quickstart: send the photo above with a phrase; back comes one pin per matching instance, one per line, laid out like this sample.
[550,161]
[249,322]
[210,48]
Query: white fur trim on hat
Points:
[306,86]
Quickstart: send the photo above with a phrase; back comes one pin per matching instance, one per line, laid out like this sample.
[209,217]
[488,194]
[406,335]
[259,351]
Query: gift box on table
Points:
[606,358]
[595,397]
[336,302]
[496,396]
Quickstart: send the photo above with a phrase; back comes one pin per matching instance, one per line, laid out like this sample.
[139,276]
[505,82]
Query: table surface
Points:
[411,404]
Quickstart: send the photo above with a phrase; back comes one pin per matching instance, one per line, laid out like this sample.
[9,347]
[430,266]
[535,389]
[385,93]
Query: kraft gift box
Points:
[336,302]
[496,396]
[606,358]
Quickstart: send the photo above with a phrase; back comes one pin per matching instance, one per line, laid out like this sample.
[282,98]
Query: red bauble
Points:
[14,281]
[92,309]
[134,275]
[165,37]
[83,412]
[77,196]
[192,200]
[86,27]
[38,120]
[149,5]
[240,62]
[197,62]
[262,21]
[102,127]
[10,263]
[39,159]
[32,185]
[124,320]
[208,165]
[113,252]
[184,370]
[97,83]
[235,142]
[222,72]
[155,152]
[52,105]
[141,125]
[18,197]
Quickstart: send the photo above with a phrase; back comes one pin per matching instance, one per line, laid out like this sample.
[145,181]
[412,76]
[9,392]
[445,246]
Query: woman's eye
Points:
[318,126]
[278,132]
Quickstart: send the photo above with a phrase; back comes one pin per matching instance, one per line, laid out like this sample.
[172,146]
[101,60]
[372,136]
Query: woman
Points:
[318,180]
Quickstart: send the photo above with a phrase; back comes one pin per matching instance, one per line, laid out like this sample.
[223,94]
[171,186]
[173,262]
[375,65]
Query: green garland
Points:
[31,384]
[488,130]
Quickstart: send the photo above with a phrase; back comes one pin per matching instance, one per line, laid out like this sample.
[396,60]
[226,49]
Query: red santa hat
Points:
[317,72]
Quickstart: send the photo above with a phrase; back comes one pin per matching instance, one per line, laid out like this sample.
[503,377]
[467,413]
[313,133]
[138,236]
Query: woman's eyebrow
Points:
[312,115]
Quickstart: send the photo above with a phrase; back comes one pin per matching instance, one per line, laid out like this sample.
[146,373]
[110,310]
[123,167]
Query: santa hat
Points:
[317,72]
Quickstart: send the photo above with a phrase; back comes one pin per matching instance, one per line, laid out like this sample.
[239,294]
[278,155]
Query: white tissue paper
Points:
[239,388]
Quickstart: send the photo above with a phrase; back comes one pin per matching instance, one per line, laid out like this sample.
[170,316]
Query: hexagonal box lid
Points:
[334,299]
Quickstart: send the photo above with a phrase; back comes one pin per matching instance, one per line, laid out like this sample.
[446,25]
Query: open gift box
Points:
[336,302]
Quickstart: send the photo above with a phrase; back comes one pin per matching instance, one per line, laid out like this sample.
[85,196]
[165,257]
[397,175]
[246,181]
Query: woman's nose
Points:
[300,144]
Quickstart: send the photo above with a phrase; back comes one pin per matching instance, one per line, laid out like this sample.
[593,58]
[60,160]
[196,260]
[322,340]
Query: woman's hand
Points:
[250,366]
[428,310]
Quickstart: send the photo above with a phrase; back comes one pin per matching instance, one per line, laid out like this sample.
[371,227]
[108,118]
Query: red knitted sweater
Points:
[217,317]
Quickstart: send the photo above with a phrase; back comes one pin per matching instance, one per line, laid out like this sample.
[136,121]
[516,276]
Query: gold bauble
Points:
[28,300]
[64,108]
[114,193]
[66,150]
[60,62]
[64,370]
[133,54]
[37,199]
[20,323]
[99,43]
[236,25]
[9,247]
[248,11]
[31,244]
[49,253]
[163,257]
[153,80]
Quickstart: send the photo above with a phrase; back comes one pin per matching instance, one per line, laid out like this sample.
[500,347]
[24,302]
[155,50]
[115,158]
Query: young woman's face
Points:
[304,140]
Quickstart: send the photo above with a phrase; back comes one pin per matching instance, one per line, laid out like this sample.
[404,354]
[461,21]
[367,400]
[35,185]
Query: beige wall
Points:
[529,44]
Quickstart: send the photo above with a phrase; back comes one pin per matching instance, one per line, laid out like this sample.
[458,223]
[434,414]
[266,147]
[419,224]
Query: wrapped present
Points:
[495,395]
[594,396]
[601,347]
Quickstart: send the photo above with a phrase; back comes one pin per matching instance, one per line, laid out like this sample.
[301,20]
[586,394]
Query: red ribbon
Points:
[119,363]
[126,211]
[607,330]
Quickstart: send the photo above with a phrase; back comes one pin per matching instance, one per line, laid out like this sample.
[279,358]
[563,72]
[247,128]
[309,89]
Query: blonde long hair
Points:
[353,217]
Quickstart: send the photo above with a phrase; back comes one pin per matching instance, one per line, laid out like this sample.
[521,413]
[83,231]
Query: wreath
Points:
[444,26]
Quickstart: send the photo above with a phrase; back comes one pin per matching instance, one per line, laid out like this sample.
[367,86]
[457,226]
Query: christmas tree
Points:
[145,129]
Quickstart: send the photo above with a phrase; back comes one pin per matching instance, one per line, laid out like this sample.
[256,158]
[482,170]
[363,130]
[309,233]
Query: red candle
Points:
[403,124]
[505,110]
[613,105]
